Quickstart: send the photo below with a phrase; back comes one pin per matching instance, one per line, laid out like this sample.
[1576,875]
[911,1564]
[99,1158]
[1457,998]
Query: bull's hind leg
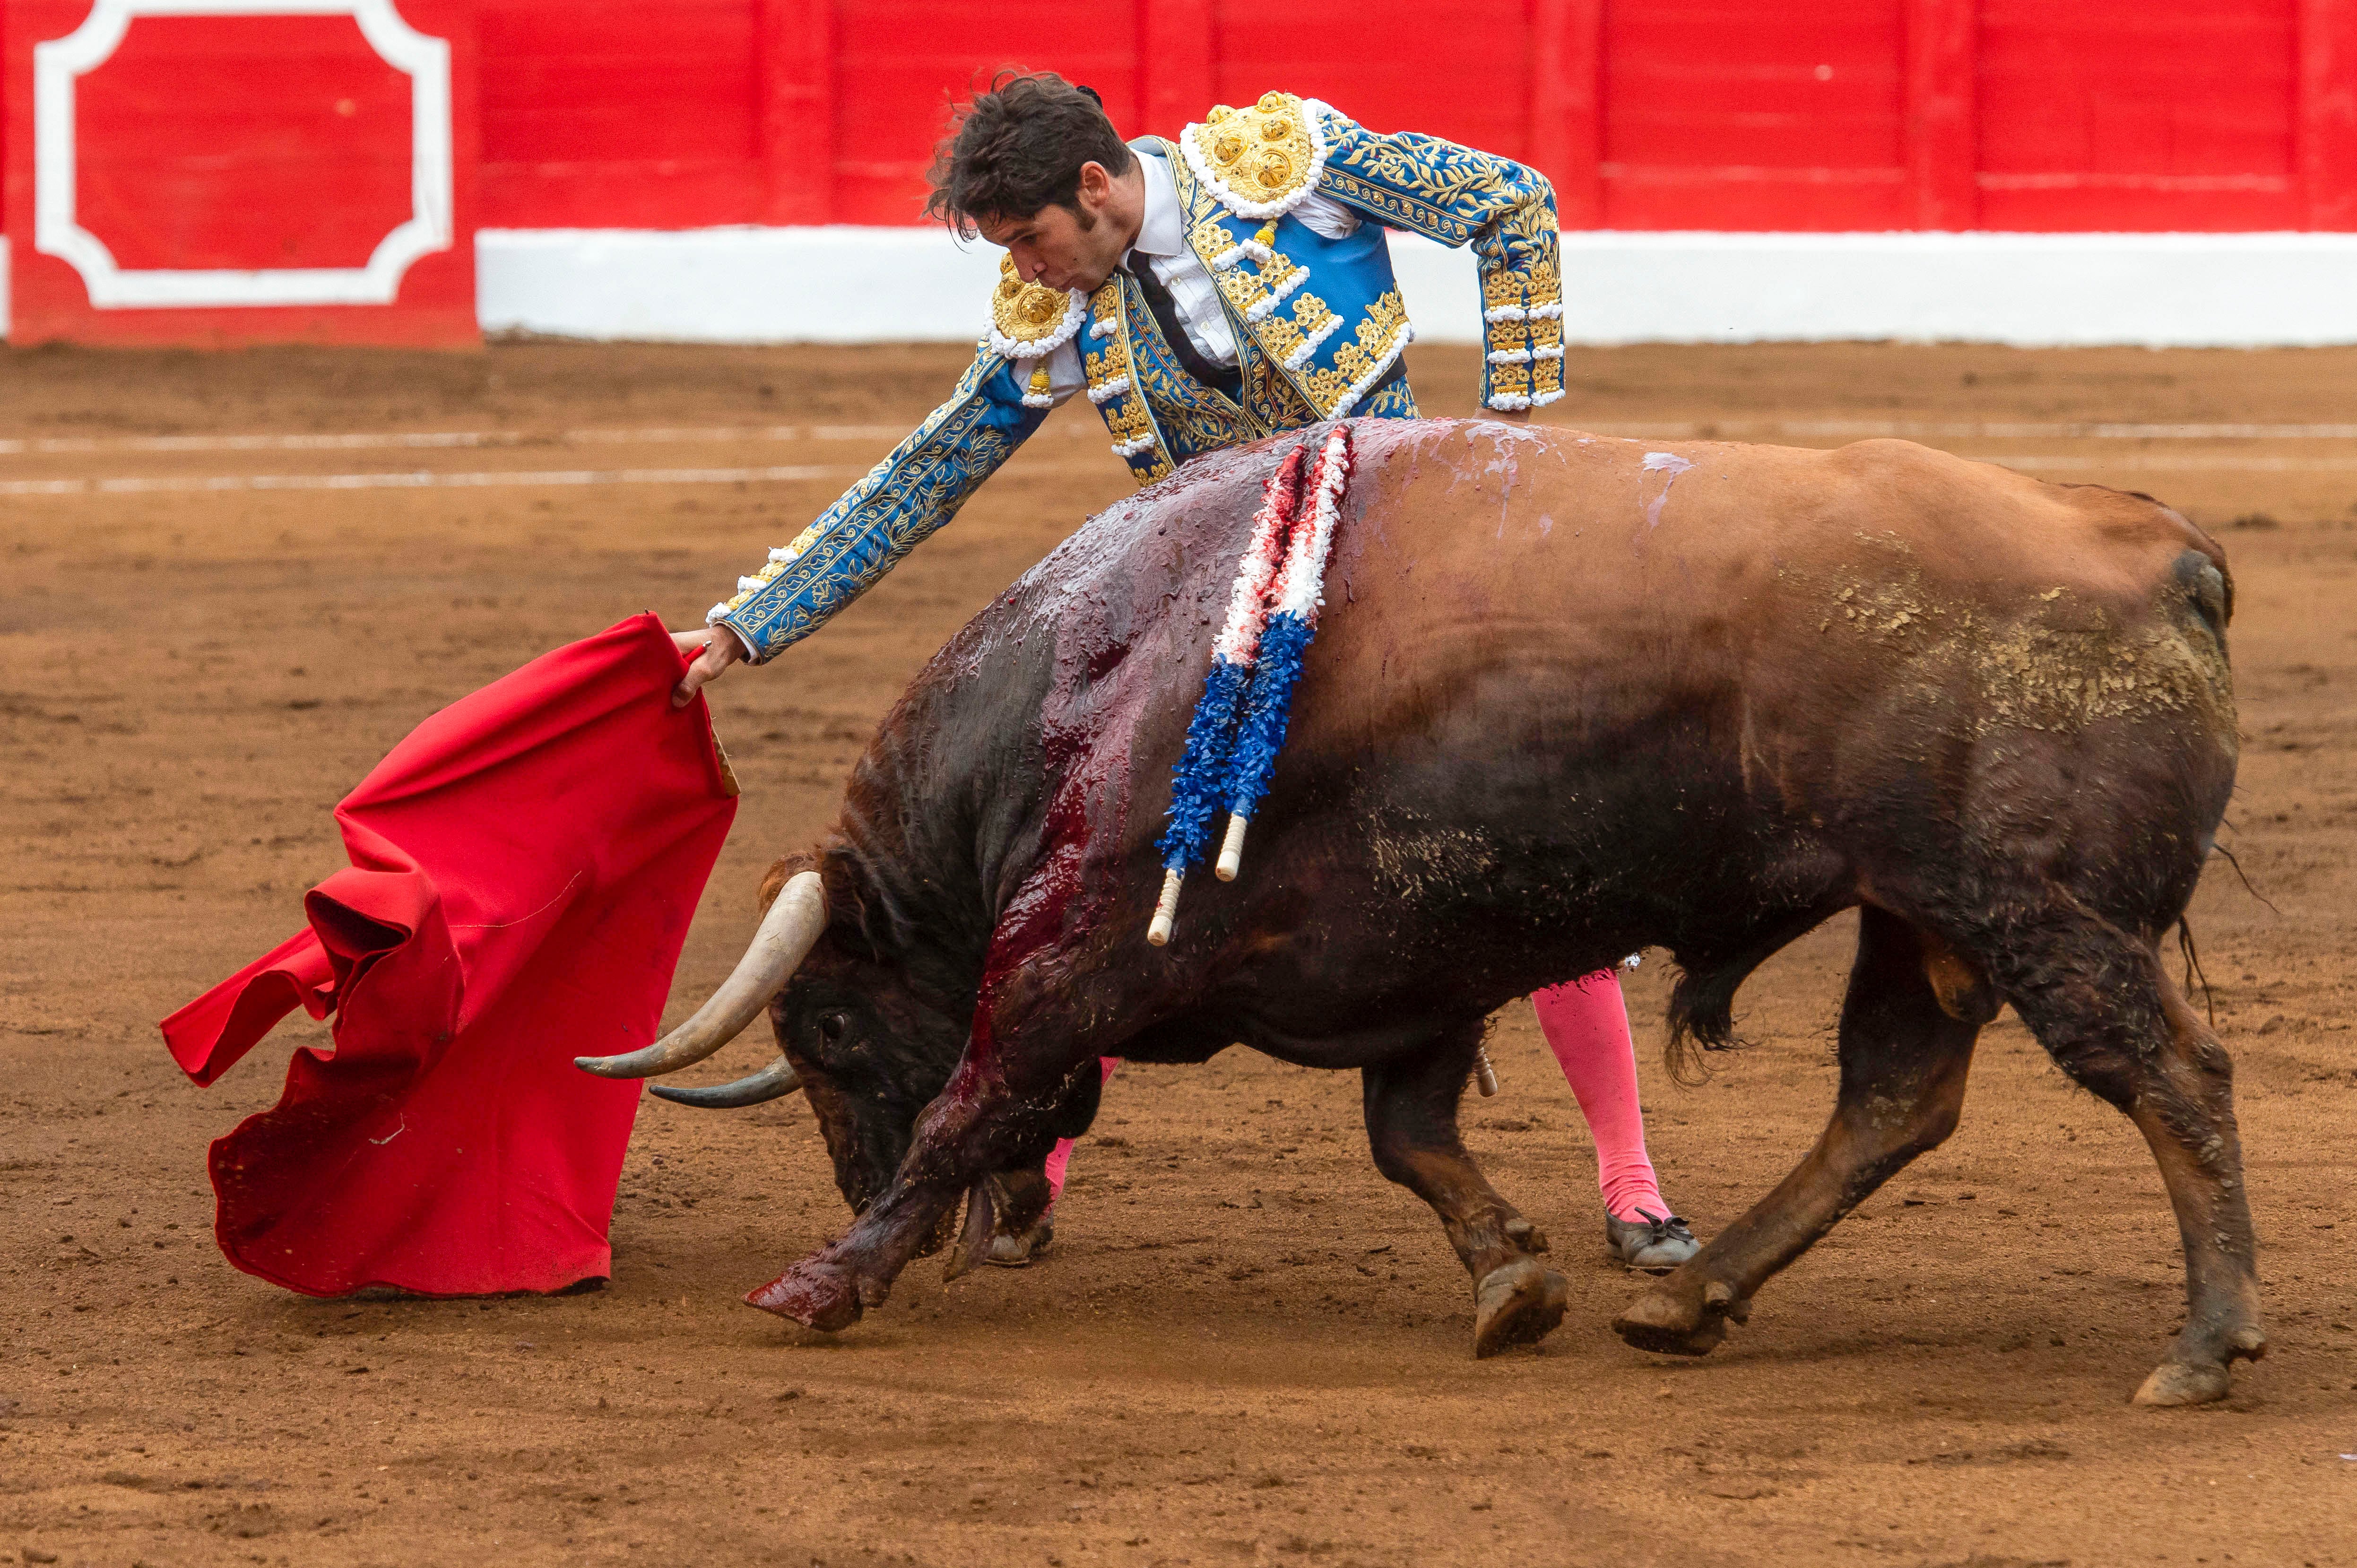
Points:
[2100,1002]
[1907,1030]
[1411,1107]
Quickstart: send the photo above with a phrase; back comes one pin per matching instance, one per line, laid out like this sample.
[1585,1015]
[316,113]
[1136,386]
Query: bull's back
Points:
[1516,618]
[1606,583]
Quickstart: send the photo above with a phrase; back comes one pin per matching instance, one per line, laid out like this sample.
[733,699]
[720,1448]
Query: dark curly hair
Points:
[1019,147]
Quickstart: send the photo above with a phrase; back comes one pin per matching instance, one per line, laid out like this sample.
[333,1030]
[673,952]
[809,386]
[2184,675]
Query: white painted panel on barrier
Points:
[57,226]
[852,285]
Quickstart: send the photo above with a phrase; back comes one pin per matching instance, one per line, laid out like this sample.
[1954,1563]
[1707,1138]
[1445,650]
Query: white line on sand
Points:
[1996,430]
[2004,430]
[1834,429]
[413,439]
[492,479]
[2175,462]
[421,480]
[363,441]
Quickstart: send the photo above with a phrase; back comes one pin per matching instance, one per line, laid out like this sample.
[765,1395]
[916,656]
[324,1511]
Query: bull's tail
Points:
[1702,1002]
[1702,1018]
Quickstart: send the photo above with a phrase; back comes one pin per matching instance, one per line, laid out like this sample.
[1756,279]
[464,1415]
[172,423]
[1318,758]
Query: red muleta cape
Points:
[525,866]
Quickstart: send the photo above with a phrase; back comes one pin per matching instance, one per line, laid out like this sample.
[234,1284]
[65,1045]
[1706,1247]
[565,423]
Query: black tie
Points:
[1165,316]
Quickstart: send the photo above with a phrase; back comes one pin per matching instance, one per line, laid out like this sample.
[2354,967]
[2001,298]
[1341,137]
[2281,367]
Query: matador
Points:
[1204,292]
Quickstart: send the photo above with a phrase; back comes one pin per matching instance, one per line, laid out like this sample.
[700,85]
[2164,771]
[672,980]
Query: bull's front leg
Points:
[1411,1105]
[1023,1065]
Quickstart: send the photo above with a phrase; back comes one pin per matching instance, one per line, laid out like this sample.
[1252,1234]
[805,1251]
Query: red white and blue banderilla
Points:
[1239,725]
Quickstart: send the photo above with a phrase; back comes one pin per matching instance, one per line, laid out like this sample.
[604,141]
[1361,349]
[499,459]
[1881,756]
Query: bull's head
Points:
[852,1035]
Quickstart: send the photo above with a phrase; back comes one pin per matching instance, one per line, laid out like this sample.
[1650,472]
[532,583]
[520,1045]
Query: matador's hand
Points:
[716,647]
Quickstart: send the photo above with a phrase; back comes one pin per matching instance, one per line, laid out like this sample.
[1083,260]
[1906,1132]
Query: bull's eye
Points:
[831,1026]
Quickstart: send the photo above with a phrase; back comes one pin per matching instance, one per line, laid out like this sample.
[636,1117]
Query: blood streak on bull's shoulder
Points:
[1086,739]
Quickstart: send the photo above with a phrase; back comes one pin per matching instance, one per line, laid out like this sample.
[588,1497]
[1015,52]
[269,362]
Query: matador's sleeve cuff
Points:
[1522,304]
[1523,329]
[899,503]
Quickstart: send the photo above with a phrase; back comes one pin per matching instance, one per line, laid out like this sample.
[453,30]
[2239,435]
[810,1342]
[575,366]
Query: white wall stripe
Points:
[847,284]
[897,285]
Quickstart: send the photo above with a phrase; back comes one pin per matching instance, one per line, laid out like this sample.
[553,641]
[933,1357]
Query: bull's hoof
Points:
[2185,1382]
[1668,1323]
[1015,1252]
[2177,1382]
[1517,1303]
[814,1297]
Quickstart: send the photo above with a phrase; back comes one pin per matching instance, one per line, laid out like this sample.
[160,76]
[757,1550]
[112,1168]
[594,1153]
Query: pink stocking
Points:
[1062,1154]
[1586,1026]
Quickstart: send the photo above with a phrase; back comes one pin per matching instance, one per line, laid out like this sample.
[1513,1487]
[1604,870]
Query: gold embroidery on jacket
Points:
[1027,320]
[1257,160]
[1293,337]
[1117,386]
[1358,366]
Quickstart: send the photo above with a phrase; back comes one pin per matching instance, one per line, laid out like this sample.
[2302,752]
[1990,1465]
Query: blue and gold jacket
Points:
[1318,326]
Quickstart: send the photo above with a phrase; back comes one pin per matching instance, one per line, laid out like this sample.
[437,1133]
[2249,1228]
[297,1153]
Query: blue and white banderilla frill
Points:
[1240,722]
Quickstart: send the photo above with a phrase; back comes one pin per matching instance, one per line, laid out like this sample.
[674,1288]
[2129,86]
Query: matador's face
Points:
[1069,247]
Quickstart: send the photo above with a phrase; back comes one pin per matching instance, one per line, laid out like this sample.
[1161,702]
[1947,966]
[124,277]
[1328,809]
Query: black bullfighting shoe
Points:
[1656,1243]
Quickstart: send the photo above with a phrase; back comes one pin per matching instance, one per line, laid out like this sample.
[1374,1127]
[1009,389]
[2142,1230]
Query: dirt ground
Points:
[1246,1345]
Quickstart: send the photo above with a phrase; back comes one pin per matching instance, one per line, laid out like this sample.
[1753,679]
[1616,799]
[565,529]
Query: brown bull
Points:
[1572,697]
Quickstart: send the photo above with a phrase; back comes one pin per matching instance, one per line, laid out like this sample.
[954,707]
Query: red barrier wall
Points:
[1794,114]
[280,144]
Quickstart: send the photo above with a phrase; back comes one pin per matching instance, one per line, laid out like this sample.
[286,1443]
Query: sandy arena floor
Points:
[1246,1347]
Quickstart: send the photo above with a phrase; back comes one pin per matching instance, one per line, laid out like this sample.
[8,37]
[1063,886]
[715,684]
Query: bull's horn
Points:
[772,1082]
[788,933]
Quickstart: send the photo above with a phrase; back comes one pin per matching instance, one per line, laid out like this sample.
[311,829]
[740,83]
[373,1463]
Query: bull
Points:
[1572,698]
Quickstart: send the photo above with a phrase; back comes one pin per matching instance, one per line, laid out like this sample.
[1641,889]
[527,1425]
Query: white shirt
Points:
[1161,243]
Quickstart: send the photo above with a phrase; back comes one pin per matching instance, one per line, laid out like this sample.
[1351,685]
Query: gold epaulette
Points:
[1260,162]
[1029,319]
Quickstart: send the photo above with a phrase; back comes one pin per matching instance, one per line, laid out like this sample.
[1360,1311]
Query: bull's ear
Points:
[774,881]
[864,929]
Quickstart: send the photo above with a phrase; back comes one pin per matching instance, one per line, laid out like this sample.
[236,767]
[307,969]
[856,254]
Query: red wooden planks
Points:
[2128,114]
[609,114]
[1807,114]
[901,64]
[1719,114]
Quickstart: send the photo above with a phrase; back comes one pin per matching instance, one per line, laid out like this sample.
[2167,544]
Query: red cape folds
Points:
[525,866]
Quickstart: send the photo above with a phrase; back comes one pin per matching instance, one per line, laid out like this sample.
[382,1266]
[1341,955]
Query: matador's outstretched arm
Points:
[899,503]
